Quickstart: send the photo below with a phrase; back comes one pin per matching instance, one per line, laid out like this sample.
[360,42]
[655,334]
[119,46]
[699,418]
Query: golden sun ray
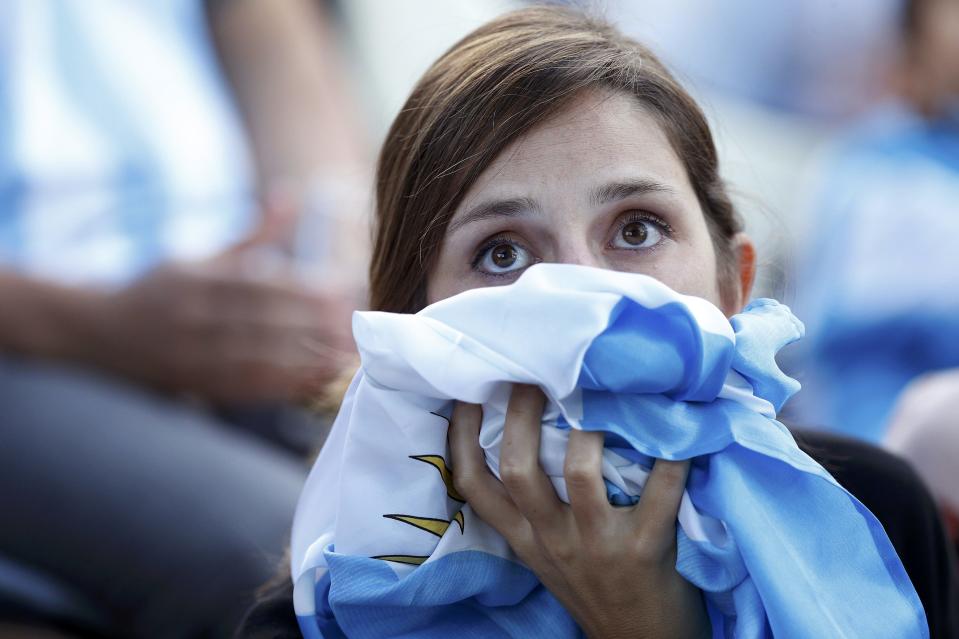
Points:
[446,473]
[458,518]
[429,524]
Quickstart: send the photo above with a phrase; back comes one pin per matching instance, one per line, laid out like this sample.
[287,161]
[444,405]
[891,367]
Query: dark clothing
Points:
[272,617]
[126,513]
[885,484]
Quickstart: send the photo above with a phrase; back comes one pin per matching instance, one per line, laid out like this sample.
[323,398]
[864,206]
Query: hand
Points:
[612,568]
[217,331]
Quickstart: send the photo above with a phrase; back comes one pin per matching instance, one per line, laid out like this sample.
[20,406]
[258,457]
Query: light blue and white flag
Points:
[383,546]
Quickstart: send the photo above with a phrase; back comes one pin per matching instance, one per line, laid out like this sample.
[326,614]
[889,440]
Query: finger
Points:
[583,472]
[526,483]
[333,350]
[278,302]
[659,503]
[322,386]
[279,306]
[472,478]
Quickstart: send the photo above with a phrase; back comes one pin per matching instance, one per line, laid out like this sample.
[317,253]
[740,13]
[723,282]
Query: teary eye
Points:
[638,233]
[501,256]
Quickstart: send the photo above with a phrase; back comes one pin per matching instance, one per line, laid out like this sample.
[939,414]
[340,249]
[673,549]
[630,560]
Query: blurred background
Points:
[185,189]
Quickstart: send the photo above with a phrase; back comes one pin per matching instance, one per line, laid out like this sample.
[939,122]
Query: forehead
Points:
[600,136]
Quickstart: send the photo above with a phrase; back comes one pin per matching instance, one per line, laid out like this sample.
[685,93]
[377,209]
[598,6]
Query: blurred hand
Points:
[612,568]
[222,332]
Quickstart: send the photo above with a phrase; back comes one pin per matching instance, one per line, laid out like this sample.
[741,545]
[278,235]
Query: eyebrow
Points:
[613,191]
[603,194]
[512,207]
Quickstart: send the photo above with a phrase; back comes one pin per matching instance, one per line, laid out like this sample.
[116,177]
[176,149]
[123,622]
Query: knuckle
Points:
[523,543]
[464,481]
[578,475]
[562,548]
[563,553]
[647,550]
[516,472]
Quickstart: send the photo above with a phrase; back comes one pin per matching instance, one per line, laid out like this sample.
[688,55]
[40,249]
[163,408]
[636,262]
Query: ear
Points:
[744,254]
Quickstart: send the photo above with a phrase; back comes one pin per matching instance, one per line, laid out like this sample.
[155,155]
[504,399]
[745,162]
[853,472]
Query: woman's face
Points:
[599,185]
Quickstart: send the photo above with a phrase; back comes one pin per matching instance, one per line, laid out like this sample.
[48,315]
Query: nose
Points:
[580,252]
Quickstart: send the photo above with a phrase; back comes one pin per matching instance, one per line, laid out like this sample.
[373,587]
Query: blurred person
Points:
[817,58]
[924,429]
[879,278]
[149,465]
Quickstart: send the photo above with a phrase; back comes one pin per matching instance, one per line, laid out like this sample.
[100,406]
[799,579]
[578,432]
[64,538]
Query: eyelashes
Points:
[502,255]
[640,231]
[643,216]
[505,254]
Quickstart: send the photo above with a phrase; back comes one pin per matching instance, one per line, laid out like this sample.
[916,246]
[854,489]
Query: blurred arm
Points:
[288,78]
[43,319]
[207,329]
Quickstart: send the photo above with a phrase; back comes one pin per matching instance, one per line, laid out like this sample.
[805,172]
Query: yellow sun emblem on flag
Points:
[431,525]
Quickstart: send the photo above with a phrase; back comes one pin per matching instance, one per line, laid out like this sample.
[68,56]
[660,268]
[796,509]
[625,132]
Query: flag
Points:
[384,546]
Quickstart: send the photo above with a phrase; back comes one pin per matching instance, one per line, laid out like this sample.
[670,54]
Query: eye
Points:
[639,233]
[500,256]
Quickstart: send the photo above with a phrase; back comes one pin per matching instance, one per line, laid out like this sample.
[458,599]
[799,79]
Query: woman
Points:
[545,136]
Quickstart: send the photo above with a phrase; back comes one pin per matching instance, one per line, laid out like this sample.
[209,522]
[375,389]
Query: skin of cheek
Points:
[690,272]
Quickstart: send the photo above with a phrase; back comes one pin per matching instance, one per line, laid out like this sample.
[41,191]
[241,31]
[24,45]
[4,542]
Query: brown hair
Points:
[489,89]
